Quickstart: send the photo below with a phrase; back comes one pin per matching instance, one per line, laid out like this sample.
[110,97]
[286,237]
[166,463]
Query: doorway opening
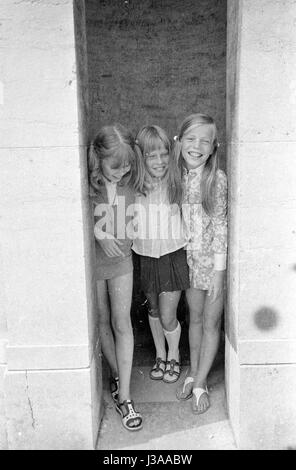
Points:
[155,62]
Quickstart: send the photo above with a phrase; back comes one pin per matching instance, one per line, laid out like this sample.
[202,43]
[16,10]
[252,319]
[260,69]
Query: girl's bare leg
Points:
[120,293]
[195,299]
[209,347]
[168,304]
[105,330]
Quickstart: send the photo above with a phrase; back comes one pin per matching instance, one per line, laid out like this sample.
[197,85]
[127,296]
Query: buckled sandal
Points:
[158,369]
[197,392]
[170,374]
[131,419]
[182,389]
[114,388]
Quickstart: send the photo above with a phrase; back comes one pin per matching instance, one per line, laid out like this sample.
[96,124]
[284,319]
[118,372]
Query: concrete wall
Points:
[156,62]
[49,382]
[261,116]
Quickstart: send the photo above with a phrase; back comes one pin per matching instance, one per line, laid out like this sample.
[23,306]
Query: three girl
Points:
[204,212]
[112,164]
[163,181]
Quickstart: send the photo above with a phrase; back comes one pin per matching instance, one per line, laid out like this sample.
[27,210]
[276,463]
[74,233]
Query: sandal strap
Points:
[130,414]
[173,363]
[129,407]
[158,363]
[198,392]
[187,381]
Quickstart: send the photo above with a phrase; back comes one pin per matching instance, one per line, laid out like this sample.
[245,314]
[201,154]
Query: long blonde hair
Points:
[208,180]
[148,139]
[111,141]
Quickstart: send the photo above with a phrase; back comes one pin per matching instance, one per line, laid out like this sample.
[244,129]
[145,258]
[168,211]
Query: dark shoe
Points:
[158,369]
[171,375]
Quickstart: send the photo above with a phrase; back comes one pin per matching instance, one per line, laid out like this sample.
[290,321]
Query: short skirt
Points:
[168,273]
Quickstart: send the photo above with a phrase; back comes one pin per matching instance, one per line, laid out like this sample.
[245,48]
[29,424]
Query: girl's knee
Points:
[104,323]
[211,324]
[196,318]
[153,312]
[104,317]
[195,300]
[169,322]
[122,327]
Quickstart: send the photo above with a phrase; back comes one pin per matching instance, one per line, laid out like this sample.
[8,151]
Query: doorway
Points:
[155,62]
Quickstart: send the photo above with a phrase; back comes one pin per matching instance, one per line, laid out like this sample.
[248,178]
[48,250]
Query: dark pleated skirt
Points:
[165,274]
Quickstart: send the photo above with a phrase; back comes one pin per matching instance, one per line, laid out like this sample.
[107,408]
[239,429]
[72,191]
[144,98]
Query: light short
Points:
[112,270]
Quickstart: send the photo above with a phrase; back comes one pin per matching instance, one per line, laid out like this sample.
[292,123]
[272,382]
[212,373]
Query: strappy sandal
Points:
[114,388]
[157,371]
[129,415]
[182,389]
[197,392]
[171,375]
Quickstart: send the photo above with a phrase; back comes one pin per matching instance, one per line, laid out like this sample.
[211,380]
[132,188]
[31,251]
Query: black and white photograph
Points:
[148,227]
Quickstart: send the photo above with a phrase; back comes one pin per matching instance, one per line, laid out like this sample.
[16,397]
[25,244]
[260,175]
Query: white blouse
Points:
[158,226]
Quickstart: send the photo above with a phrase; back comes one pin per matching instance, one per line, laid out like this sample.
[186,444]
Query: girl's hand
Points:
[216,286]
[110,246]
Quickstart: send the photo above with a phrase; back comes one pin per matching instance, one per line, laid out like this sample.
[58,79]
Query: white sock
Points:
[158,336]
[173,338]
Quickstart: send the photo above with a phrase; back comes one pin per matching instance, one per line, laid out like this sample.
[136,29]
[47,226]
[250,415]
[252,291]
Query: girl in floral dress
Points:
[205,215]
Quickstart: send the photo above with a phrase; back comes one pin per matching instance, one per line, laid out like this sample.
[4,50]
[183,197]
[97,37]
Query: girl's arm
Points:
[103,219]
[109,244]
[219,220]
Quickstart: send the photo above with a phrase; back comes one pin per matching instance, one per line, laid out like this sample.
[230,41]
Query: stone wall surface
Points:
[262,244]
[52,380]
[156,62]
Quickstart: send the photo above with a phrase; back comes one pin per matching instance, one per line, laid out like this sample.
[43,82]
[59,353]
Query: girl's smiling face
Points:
[197,145]
[113,170]
[157,162]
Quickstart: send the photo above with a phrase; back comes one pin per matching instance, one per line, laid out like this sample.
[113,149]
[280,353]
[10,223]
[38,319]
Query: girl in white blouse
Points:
[204,212]
[160,242]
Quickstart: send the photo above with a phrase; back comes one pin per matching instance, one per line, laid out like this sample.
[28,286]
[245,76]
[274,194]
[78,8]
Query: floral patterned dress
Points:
[206,235]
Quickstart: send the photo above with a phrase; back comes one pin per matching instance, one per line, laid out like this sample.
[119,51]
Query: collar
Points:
[108,182]
[158,183]
[195,171]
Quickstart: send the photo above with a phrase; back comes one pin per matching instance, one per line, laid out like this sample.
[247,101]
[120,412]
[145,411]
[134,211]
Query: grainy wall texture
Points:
[50,376]
[156,61]
[261,117]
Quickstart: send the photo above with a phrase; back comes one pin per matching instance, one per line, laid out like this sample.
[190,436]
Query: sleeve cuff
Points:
[101,235]
[219,261]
